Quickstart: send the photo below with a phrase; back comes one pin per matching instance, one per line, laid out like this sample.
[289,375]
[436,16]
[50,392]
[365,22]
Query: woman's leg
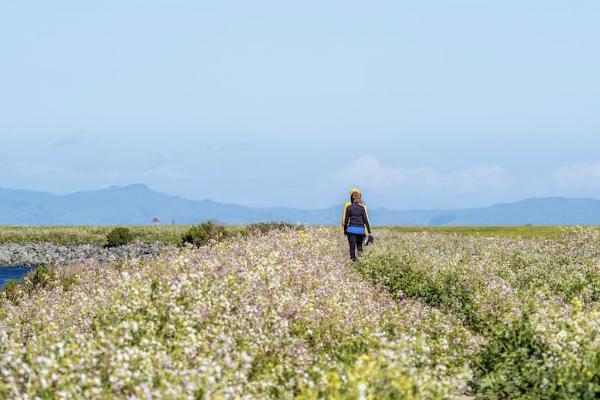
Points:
[352,243]
[359,243]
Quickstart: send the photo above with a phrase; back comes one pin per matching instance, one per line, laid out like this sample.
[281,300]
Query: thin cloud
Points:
[27,168]
[163,171]
[584,175]
[68,141]
[371,172]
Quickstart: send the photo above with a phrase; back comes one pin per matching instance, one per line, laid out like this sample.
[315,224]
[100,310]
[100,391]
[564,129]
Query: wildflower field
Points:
[423,315]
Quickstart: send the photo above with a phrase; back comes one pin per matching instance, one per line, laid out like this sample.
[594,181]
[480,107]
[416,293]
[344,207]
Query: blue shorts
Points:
[356,230]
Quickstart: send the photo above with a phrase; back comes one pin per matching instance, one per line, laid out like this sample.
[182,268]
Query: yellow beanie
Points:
[354,190]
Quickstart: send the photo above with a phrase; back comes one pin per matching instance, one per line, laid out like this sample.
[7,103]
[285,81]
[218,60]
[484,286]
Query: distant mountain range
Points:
[138,205]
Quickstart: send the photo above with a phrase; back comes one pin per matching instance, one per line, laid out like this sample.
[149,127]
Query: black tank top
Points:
[356,215]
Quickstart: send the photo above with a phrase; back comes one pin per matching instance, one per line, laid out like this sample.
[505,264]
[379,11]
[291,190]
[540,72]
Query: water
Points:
[12,273]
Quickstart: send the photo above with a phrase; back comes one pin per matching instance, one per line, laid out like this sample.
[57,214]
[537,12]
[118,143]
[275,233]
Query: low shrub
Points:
[450,287]
[11,291]
[202,234]
[41,277]
[262,228]
[534,304]
[119,237]
[67,283]
[550,351]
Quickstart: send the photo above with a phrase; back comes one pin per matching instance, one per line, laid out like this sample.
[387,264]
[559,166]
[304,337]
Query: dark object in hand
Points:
[369,240]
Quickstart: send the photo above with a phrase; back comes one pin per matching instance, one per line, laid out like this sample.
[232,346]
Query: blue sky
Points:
[420,104]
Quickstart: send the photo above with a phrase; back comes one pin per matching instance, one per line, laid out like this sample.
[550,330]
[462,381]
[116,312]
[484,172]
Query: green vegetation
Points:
[515,232]
[119,236]
[277,316]
[66,235]
[536,304]
[428,314]
[70,235]
[493,312]
[40,278]
[11,291]
[202,234]
[263,228]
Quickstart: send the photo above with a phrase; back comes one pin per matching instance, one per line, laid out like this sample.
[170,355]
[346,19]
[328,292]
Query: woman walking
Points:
[355,221]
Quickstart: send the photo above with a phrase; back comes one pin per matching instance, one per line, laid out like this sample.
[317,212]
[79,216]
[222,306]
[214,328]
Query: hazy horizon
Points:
[447,104]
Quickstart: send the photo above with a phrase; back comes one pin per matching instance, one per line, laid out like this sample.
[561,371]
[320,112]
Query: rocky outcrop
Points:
[35,254]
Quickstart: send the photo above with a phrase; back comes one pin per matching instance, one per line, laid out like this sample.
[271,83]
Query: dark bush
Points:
[11,290]
[262,228]
[202,234]
[448,289]
[119,237]
[40,278]
[511,364]
[67,283]
[548,351]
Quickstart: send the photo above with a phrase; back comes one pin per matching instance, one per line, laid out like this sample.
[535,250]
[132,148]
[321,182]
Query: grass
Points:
[513,232]
[67,235]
